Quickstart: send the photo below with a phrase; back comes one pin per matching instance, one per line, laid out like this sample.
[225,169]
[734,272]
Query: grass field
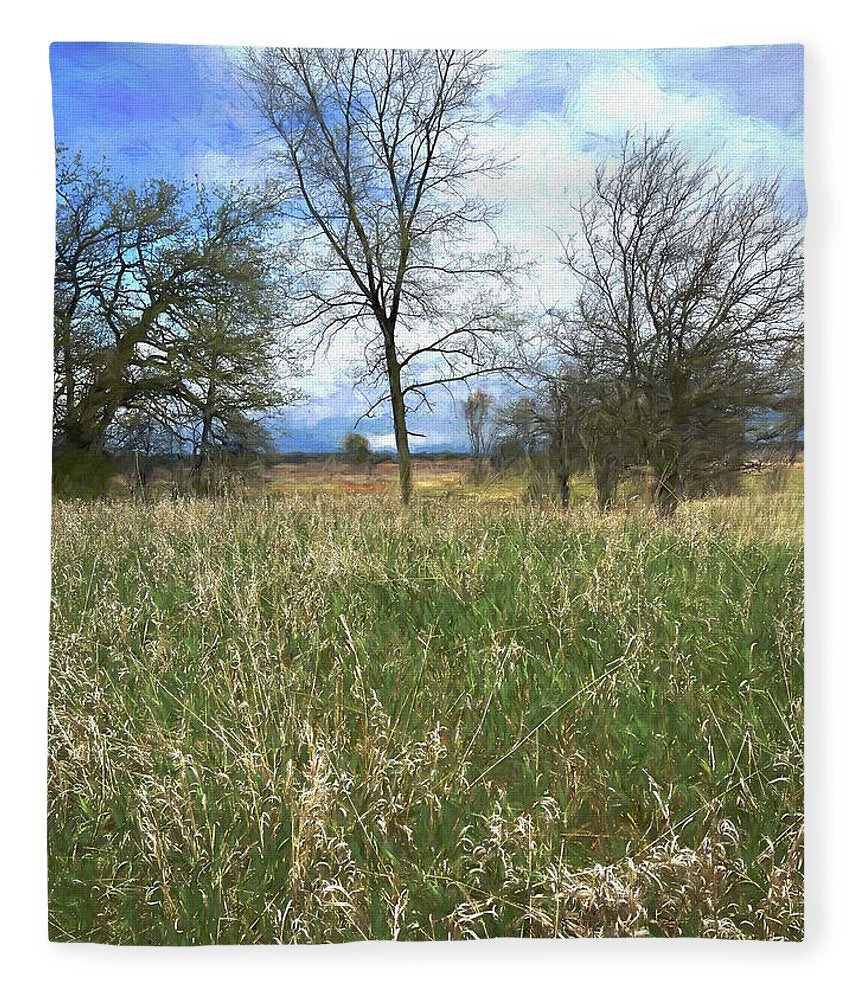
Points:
[302,717]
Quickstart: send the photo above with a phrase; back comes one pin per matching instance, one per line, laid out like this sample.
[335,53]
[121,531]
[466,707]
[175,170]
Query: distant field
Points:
[312,717]
[453,478]
[443,479]
[347,478]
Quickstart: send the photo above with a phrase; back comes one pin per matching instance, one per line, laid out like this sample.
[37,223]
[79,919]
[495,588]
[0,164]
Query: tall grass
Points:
[281,720]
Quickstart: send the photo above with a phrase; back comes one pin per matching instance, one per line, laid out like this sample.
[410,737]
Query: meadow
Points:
[309,716]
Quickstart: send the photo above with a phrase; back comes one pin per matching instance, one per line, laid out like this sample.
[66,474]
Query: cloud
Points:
[213,166]
[556,149]
[381,441]
[613,99]
[609,93]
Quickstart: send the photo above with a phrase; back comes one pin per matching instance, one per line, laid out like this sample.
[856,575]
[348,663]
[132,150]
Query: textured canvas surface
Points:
[427,541]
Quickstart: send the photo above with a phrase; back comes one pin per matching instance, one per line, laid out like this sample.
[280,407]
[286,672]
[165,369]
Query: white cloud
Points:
[555,154]
[212,166]
[613,99]
[381,440]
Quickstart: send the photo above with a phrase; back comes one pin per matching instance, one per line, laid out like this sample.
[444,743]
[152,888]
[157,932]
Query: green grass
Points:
[326,720]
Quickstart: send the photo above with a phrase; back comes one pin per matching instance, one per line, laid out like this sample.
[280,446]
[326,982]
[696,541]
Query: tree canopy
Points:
[164,303]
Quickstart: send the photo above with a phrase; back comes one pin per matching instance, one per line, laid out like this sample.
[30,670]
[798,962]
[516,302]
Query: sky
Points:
[179,112]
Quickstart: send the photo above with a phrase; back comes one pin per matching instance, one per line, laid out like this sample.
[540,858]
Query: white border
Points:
[629,968]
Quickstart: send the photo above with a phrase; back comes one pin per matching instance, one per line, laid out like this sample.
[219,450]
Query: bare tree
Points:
[140,437]
[378,153]
[540,429]
[691,299]
[574,423]
[781,430]
[476,410]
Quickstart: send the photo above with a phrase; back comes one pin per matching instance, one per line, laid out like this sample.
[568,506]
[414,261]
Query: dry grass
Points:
[322,719]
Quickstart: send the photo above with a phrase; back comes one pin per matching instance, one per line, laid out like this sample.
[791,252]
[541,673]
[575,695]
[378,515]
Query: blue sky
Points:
[178,112]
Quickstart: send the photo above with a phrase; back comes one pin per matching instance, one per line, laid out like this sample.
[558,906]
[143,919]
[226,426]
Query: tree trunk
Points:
[398,413]
[203,447]
[564,488]
[667,486]
[606,482]
[80,467]
[401,439]
[140,475]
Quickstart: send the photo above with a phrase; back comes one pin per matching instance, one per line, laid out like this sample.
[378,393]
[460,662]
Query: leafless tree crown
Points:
[691,294]
[381,163]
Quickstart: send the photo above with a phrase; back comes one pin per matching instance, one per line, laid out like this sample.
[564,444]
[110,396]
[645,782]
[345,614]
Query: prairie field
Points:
[310,716]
